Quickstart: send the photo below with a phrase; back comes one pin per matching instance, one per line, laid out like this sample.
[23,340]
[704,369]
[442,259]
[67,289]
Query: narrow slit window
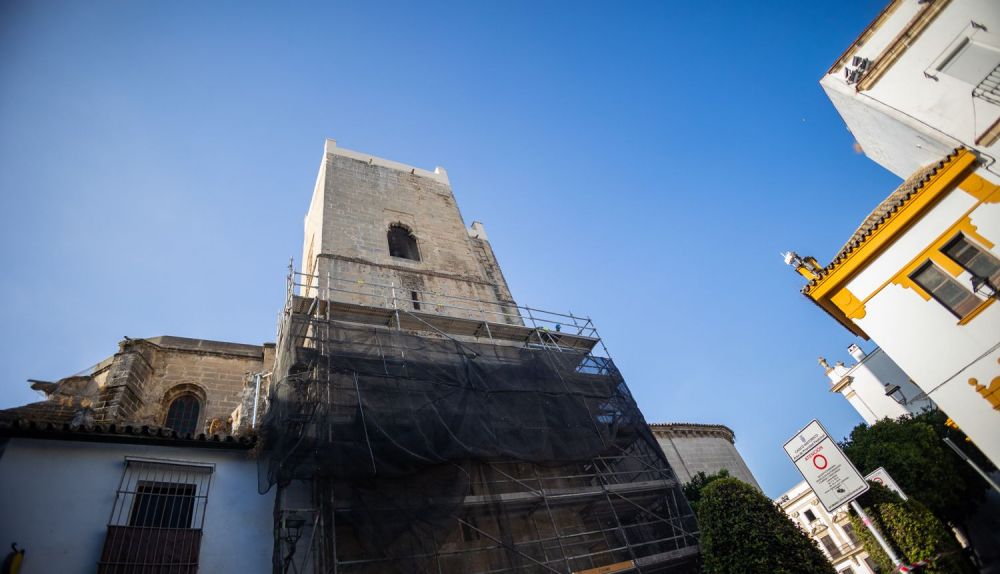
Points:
[945,290]
[402,243]
[415,299]
[973,259]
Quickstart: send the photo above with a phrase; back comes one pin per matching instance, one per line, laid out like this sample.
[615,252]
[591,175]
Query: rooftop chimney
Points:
[856,352]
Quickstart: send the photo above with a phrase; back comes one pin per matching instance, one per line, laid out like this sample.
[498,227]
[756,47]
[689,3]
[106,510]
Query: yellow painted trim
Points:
[898,222]
[972,314]
[980,188]
[847,302]
[933,253]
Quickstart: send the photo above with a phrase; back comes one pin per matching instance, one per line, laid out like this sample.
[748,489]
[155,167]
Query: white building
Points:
[921,272]
[922,80]
[693,448]
[117,498]
[833,532]
[875,386]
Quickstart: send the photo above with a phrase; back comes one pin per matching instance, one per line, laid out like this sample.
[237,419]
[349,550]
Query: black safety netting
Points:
[440,455]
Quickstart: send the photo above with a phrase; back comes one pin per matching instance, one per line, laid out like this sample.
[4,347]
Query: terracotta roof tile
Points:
[885,210]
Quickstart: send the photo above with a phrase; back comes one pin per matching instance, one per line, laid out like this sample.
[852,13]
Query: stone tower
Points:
[382,233]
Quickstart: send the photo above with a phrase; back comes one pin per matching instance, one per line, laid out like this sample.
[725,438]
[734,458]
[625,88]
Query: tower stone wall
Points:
[357,198]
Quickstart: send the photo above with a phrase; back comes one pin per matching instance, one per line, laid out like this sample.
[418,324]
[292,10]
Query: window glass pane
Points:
[163,505]
[974,258]
[830,546]
[972,62]
[182,416]
[946,290]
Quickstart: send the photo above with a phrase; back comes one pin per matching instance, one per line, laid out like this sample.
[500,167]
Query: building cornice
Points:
[694,429]
[865,35]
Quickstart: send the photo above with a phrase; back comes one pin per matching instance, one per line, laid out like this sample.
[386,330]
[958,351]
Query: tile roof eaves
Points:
[885,211]
[119,433]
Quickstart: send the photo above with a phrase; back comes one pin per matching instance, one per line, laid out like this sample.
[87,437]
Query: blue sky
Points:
[641,163]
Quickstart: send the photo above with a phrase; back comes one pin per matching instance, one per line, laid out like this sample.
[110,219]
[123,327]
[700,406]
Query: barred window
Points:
[157,518]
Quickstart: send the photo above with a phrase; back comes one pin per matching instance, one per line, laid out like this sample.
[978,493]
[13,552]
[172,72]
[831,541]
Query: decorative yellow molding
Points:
[896,223]
[975,312]
[933,253]
[852,307]
[991,393]
[981,189]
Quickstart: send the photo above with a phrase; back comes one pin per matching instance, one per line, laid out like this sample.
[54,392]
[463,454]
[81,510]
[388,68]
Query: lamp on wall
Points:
[981,286]
[896,394]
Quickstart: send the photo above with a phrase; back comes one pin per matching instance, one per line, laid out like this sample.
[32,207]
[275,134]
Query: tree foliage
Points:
[912,530]
[744,532]
[692,490]
[911,450]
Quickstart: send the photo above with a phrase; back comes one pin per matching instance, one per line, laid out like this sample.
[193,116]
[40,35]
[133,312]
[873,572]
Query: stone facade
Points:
[355,201]
[694,448]
[138,384]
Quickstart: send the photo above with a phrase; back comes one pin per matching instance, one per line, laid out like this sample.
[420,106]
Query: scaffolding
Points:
[495,439]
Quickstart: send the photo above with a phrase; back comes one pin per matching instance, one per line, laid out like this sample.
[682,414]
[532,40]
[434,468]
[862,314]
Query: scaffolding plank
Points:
[460,326]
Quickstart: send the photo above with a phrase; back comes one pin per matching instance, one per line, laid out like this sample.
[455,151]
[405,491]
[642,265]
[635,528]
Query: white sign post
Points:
[881,476]
[832,476]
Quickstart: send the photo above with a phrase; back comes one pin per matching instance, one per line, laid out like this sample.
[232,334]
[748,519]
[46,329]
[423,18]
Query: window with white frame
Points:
[157,518]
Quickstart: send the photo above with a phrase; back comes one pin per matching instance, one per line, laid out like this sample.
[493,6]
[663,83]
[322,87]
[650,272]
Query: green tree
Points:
[744,532]
[692,490]
[911,529]
[911,449]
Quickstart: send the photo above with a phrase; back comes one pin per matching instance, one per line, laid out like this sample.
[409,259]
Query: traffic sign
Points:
[881,476]
[821,462]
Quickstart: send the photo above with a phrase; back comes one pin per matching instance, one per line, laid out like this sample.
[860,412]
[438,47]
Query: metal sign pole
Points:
[878,535]
[974,466]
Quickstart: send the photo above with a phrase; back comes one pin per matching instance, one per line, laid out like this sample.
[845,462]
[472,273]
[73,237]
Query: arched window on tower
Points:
[402,243]
[182,416]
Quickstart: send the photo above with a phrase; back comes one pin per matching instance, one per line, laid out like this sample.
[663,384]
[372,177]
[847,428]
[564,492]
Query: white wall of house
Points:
[926,340]
[865,383]
[848,555]
[57,497]
[928,90]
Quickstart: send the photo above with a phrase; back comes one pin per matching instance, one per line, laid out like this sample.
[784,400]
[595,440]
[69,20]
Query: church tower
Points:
[419,420]
[382,233]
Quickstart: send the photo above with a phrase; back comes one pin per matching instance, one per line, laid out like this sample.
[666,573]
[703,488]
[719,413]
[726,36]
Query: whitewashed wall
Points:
[866,391]
[57,497]
[924,338]
[931,112]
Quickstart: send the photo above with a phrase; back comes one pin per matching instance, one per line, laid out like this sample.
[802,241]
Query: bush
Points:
[911,529]
[911,450]
[692,490]
[744,532]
